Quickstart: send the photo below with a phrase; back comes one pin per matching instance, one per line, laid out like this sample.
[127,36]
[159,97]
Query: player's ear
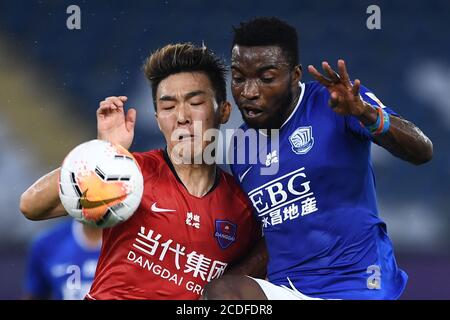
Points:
[224,112]
[297,73]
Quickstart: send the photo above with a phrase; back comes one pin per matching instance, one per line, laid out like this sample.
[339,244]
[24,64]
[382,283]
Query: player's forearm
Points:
[403,139]
[41,200]
[254,264]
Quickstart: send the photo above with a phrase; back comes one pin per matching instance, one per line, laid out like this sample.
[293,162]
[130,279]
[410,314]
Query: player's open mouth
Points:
[183,137]
[250,112]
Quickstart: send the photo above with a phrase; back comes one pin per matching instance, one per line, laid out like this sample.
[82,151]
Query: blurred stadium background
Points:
[52,78]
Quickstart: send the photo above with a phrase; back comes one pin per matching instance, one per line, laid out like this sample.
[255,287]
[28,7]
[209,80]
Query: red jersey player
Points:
[193,220]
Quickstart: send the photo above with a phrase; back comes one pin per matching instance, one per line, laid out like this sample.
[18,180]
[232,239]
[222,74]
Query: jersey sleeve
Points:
[354,125]
[36,283]
[139,157]
[147,161]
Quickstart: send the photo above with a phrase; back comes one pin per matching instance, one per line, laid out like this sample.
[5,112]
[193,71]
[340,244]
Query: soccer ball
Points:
[100,183]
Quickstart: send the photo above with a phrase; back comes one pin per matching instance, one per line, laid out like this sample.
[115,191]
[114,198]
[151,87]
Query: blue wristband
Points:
[387,122]
[374,127]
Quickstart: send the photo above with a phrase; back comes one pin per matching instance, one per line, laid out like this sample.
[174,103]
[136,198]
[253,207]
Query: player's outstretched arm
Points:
[113,124]
[41,200]
[402,138]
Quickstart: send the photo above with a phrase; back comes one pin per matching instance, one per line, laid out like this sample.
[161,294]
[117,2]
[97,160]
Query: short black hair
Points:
[268,31]
[186,57]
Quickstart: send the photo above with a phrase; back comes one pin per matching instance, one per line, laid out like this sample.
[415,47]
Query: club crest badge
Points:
[225,233]
[302,140]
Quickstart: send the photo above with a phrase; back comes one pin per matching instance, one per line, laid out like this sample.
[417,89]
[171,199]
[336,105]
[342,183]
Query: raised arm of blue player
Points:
[403,139]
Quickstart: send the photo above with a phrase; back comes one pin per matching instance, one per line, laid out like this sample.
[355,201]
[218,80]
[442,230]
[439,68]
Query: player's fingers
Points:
[318,76]
[116,101]
[130,119]
[106,108]
[334,100]
[343,73]
[330,72]
[356,86]
[107,105]
[122,98]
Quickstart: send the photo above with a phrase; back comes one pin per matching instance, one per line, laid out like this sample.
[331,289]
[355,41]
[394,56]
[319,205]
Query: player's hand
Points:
[344,97]
[113,124]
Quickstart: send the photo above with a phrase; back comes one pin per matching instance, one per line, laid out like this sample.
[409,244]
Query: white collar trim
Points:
[302,86]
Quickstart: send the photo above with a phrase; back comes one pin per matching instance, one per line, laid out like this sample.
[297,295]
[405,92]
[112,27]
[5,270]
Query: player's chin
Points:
[259,121]
[188,151]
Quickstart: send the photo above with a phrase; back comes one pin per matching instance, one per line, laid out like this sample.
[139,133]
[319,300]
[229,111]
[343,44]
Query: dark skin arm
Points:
[254,264]
[404,139]
[234,284]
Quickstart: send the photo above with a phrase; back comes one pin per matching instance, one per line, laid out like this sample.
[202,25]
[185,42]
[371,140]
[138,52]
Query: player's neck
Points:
[197,178]
[293,103]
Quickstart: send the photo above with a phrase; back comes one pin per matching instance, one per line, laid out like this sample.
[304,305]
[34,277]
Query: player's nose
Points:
[251,90]
[183,114]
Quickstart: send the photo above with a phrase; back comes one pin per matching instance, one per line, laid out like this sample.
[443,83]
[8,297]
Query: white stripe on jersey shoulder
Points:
[302,86]
[90,297]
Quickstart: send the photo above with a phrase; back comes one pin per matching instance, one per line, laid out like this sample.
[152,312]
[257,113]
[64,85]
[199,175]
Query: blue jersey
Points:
[60,266]
[314,193]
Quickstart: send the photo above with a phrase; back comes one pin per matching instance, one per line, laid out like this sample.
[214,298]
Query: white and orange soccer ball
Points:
[100,183]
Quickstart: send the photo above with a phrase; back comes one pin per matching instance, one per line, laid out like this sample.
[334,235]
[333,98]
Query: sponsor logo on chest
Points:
[225,233]
[284,198]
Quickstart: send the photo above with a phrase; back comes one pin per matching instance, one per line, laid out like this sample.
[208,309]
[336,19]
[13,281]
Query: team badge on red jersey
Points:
[225,233]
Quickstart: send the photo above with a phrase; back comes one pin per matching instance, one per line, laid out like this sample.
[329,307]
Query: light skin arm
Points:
[41,200]
[403,139]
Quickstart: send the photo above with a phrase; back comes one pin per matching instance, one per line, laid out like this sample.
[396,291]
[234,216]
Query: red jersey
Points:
[175,242]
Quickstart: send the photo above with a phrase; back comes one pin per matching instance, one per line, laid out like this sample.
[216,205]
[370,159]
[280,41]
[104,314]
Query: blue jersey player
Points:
[62,262]
[313,186]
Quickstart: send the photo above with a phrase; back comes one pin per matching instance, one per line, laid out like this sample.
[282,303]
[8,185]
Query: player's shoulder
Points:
[315,99]
[315,89]
[149,159]
[150,154]
[229,179]
[229,182]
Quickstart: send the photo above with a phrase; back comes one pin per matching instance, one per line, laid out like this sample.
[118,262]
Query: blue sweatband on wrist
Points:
[387,122]
[374,127]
